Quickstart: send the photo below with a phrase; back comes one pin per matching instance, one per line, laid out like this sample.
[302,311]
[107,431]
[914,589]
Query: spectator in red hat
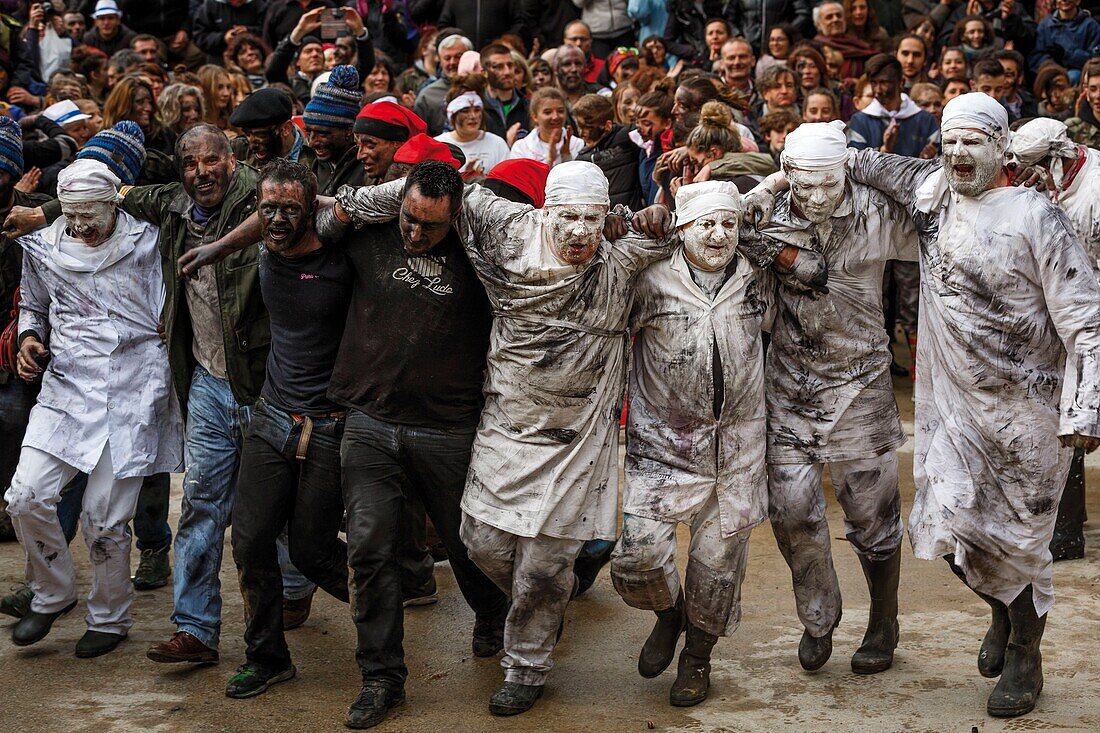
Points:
[380,129]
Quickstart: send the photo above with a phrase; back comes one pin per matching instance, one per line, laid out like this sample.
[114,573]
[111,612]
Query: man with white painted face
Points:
[542,477]
[829,394]
[1072,172]
[92,286]
[695,446]
[1009,379]
[218,334]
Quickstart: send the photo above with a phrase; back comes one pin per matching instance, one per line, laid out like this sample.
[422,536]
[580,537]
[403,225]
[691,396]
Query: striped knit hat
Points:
[11,147]
[121,148]
[336,102]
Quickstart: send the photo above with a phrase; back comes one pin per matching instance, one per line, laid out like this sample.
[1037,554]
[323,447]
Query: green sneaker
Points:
[153,570]
[252,679]
[18,602]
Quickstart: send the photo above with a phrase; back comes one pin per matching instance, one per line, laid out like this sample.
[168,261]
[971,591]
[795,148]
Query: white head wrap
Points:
[696,199]
[576,182]
[87,180]
[816,146]
[977,111]
[1039,138]
[466,100]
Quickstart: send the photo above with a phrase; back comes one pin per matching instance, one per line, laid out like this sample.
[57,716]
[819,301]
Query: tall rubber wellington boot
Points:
[660,648]
[693,671]
[876,654]
[1022,677]
[991,656]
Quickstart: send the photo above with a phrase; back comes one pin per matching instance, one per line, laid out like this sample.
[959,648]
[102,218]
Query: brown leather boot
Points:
[182,648]
[295,612]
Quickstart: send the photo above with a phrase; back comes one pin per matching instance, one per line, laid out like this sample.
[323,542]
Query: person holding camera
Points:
[303,47]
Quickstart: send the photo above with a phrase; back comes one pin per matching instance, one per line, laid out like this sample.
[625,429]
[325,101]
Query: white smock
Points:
[98,311]
[1004,297]
[546,453]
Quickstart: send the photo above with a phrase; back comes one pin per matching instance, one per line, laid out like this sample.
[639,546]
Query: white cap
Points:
[975,110]
[87,180]
[816,146]
[64,113]
[576,182]
[697,199]
[106,7]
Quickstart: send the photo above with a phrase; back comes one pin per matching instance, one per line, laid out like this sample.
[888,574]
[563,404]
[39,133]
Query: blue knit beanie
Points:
[11,147]
[337,100]
[121,148]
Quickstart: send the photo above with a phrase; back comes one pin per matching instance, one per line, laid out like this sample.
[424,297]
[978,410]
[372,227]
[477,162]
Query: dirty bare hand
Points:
[193,259]
[1032,176]
[1087,443]
[23,220]
[757,206]
[654,221]
[806,266]
[26,362]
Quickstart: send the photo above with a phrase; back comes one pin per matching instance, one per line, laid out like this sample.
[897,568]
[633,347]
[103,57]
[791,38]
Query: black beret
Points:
[262,108]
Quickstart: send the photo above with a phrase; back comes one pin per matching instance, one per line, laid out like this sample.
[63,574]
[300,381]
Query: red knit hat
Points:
[388,121]
[420,148]
[524,174]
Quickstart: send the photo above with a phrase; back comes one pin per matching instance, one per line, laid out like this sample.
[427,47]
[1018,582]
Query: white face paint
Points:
[575,230]
[710,242]
[972,160]
[92,222]
[816,194]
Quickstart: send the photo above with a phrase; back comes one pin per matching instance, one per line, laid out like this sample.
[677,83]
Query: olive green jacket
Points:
[245,326]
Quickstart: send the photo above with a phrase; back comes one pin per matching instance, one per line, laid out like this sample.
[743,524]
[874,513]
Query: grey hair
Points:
[455,39]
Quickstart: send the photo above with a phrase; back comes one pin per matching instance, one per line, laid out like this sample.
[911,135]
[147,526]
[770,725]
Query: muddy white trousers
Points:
[536,573]
[643,569]
[867,491]
[109,505]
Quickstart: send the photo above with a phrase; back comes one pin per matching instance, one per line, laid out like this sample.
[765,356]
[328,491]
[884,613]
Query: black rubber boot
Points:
[514,698]
[660,648]
[1022,677]
[693,671]
[991,657]
[587,567]
[1068,542]
[876,654]
[814,651]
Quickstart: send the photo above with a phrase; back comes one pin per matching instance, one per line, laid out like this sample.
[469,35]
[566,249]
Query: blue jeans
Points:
[212,454]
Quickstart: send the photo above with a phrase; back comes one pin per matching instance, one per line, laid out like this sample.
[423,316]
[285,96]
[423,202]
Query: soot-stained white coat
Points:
[1008,359]
[544,460]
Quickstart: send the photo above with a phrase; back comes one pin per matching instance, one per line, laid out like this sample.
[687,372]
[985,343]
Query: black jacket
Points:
[617,157]
[283,15]
[482,20]
[547,20]
[498,123]
[215,17]
[753,19]
[685,30]
[161,18]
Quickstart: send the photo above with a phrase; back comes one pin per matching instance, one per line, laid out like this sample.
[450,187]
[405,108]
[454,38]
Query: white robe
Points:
[828,387]
[677,454]
[544,460]
[1081,202]
[98,311]
[1005,296]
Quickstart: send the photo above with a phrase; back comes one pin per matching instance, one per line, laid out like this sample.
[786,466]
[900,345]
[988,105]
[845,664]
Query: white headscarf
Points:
[576,182]
[696,199]
[816,146]
[466,100]
[976,111]
[87,180]
[1039,138]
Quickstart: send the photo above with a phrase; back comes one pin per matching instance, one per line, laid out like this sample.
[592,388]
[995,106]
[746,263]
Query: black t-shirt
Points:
[307,299]
[417,333]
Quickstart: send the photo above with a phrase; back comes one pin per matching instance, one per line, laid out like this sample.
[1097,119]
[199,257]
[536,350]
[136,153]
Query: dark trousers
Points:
[383,464]
[275,489]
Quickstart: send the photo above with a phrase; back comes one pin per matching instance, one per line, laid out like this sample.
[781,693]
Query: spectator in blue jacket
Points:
[892,122]
[1068,36]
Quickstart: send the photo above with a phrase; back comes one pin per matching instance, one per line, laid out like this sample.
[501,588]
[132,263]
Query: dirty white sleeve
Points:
[34,300]
[901,233]
[371,204]
[488,217]
[1073,302]
[897,176]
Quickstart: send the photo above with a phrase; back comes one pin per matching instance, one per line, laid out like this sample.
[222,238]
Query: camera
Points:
[48,9]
